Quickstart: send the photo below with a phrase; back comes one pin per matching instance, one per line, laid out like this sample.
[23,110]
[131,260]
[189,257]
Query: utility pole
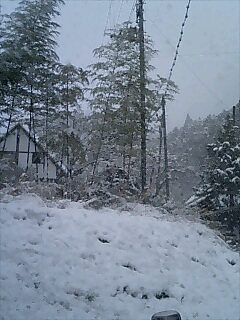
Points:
[159,158]
[142,94]
[1,16]
[163,103]
[234,115]
[231,200]
[67,109]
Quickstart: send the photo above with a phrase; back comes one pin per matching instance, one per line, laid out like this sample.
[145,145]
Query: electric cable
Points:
[183,60]
[162,120]
[177,47]
[132,9]
[119,12]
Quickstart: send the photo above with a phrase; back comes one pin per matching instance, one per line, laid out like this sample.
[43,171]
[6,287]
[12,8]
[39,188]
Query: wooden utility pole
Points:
[232,194]
[142,94]
[67,109]
[234,115]
[159,159]
[163,103]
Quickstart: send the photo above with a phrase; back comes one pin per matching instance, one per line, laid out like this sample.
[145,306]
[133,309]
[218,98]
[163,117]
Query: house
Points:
[19,145]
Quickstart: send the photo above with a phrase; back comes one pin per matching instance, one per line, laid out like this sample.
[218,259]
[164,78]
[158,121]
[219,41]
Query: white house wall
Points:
[43,171]
[23,143]
[10,143]
[52,170]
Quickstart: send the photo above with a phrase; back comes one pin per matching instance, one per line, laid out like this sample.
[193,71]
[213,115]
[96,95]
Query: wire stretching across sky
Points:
[108,19]
[177,47]
[132,10]
[110,13]
[119,12]
[183,60]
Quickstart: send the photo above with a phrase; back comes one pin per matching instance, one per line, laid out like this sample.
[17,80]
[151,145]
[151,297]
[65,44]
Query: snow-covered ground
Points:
[66,262]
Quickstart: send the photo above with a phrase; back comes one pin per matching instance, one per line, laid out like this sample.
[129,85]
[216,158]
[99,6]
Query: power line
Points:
[107,20]
[163,125]
[183,60]
[177,47]
[119,13]
[132,9]
[207,54]
[176,54]
[102,131]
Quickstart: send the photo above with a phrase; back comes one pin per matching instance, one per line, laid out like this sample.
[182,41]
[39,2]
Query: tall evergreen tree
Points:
[220,187]
[68,84]
[27,54]
[115,97]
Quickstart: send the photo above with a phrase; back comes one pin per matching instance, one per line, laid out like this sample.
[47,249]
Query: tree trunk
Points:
[165,148]
[130,157]
[159,162]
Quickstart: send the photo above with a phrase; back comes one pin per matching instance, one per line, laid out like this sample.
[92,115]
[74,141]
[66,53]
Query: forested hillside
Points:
[188,151]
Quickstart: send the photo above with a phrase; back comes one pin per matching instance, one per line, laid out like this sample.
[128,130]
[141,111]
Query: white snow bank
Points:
[70,263]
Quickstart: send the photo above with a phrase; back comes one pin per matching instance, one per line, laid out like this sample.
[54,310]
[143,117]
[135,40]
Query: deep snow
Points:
[67,262]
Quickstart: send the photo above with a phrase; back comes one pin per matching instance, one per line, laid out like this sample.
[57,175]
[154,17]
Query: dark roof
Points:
[4,137]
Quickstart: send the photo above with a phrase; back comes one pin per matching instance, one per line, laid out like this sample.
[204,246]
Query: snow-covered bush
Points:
[10,172]
[47,191]
[112,187]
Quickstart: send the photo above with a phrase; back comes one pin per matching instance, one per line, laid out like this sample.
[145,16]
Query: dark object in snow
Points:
[162,295]
[232,262]
[129,266]
[126,289]
[166,315]
[103,240]
[36,284]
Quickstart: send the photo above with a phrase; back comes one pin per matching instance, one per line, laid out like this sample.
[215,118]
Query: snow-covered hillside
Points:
[66,262]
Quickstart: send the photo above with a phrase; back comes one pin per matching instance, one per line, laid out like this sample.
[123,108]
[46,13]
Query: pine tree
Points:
[115,98]
[68,89]
[27,55]
[220,187]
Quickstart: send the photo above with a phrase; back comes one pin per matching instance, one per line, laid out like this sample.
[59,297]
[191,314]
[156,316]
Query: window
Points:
[37,158]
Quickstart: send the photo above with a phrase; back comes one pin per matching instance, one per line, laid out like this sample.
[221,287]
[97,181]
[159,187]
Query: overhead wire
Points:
[119,13]
[107,20]
[95,163]
[175,55]
[183,60]
[132,9]
[103,125]
[162,119]
[177,47]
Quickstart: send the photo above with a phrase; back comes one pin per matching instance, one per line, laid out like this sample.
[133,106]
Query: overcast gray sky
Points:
[208,68]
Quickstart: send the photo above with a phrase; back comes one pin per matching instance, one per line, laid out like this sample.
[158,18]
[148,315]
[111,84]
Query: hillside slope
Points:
[67,262]
[188,152]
